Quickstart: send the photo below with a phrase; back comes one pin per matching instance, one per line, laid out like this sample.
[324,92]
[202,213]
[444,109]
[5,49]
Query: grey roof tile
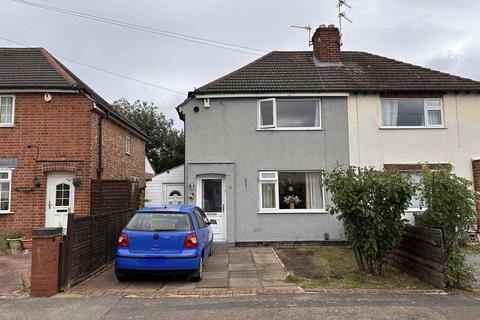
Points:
[296,71]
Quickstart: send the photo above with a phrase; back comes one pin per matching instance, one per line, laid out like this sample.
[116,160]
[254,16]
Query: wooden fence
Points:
[110,195]
[420,254]
[89,245]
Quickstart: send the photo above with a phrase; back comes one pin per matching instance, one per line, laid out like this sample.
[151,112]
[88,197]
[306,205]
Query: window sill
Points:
[6,213]
[5,125]
[290,129]
[410,128]
[294,211]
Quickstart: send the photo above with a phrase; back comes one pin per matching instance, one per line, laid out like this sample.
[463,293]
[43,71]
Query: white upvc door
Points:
[60,199]
[211,198]
[174,194]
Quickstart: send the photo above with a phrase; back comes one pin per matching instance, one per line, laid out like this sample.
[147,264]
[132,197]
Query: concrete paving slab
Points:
[213,283]
[245,283]
[243,274]
[215,275]
[241,266]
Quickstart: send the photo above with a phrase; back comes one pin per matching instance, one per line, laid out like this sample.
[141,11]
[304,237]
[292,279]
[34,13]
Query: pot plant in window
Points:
[292,201]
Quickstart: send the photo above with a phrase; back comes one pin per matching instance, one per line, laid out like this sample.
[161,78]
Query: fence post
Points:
[45,261]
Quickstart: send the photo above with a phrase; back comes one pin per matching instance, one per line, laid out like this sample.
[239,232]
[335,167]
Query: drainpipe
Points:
[101,116]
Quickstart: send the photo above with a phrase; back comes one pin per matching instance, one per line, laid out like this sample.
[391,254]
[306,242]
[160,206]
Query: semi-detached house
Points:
[58,136]
[269,130]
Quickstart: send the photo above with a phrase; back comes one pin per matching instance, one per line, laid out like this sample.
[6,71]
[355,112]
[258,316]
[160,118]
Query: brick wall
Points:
[60,136]
[326,43]
[117,163]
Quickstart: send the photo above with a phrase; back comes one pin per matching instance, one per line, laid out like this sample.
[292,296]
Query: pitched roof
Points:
[297,71]
[37,69]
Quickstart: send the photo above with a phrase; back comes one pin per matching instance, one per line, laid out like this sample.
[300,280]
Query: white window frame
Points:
[10,124]
[128,142]
[275,127]
[425,114]
[9,180]
[262,180]
[413,209]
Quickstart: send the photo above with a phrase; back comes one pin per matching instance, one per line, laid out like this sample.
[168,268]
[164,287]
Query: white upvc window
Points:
[415,177]
[5,190]
[7,110]
[289,114]
[412,113]
[128,142]
[291,191]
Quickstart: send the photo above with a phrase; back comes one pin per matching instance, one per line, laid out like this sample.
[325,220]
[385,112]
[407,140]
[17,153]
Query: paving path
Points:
[228,272]
[12,267]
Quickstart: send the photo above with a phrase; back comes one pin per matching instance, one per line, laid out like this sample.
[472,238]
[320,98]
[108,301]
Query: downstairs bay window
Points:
[291,191]
[5,190]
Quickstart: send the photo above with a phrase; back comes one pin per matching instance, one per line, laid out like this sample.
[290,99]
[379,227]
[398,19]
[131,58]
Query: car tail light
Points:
[191,241]
[122,240]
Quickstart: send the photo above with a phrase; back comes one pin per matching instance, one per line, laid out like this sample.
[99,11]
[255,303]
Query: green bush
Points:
[370,203]
[4,235]
[450,203]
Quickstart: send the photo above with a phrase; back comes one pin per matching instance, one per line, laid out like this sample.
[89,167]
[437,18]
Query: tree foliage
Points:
[370,204]
[450,203]
[166,149]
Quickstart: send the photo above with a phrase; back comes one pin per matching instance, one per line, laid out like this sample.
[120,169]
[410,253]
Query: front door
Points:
[211,198]
[174,194]
[60,199]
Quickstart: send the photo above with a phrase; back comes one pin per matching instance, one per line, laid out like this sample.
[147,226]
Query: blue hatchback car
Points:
[165,239]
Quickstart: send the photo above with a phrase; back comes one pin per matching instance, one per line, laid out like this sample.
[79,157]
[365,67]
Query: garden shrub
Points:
[370,203]
[450,206]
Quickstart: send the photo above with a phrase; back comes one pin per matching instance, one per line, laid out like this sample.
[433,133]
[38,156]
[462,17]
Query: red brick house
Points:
[56,136]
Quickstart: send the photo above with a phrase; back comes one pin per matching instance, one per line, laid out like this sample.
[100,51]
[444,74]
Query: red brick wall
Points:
[63,137]
[326,43]
[116,163]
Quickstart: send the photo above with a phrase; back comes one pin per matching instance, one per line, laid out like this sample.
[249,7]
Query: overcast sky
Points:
[440,34]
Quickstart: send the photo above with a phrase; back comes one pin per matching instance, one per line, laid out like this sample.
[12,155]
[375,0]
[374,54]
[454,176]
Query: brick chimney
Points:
[326,44]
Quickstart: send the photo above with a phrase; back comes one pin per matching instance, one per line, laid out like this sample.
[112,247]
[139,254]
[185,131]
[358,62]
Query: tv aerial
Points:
[309,28]
[342,15]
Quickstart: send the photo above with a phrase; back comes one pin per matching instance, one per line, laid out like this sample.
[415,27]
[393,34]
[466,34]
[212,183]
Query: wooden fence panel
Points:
[90,244]
[110,195]
[420,253]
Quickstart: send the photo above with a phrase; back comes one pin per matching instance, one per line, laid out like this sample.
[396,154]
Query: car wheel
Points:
[197,275]
[122,277]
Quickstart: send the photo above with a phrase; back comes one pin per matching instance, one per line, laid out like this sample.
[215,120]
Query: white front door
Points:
[60,199]
[174,194]
[211,198]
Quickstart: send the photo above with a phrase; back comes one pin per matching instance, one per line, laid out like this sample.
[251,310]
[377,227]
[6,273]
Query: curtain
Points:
[268,195]
[434,117]
[313,186]
[389,112]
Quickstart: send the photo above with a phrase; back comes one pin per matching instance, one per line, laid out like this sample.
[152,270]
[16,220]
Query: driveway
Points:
[228,272]
[12,267]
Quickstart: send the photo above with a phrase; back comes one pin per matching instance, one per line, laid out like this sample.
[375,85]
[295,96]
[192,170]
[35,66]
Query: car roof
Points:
[167,208]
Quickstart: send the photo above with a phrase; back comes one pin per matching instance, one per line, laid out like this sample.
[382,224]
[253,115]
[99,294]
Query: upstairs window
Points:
[7,107]
[289,113]
[412,112]
[128,142]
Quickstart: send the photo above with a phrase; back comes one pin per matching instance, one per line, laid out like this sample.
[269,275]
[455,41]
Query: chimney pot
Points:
[326,44]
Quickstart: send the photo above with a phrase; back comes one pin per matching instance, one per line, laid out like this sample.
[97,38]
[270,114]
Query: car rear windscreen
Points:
[160,222]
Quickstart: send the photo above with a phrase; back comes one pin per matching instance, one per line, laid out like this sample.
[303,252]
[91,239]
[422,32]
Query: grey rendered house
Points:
[259,139]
